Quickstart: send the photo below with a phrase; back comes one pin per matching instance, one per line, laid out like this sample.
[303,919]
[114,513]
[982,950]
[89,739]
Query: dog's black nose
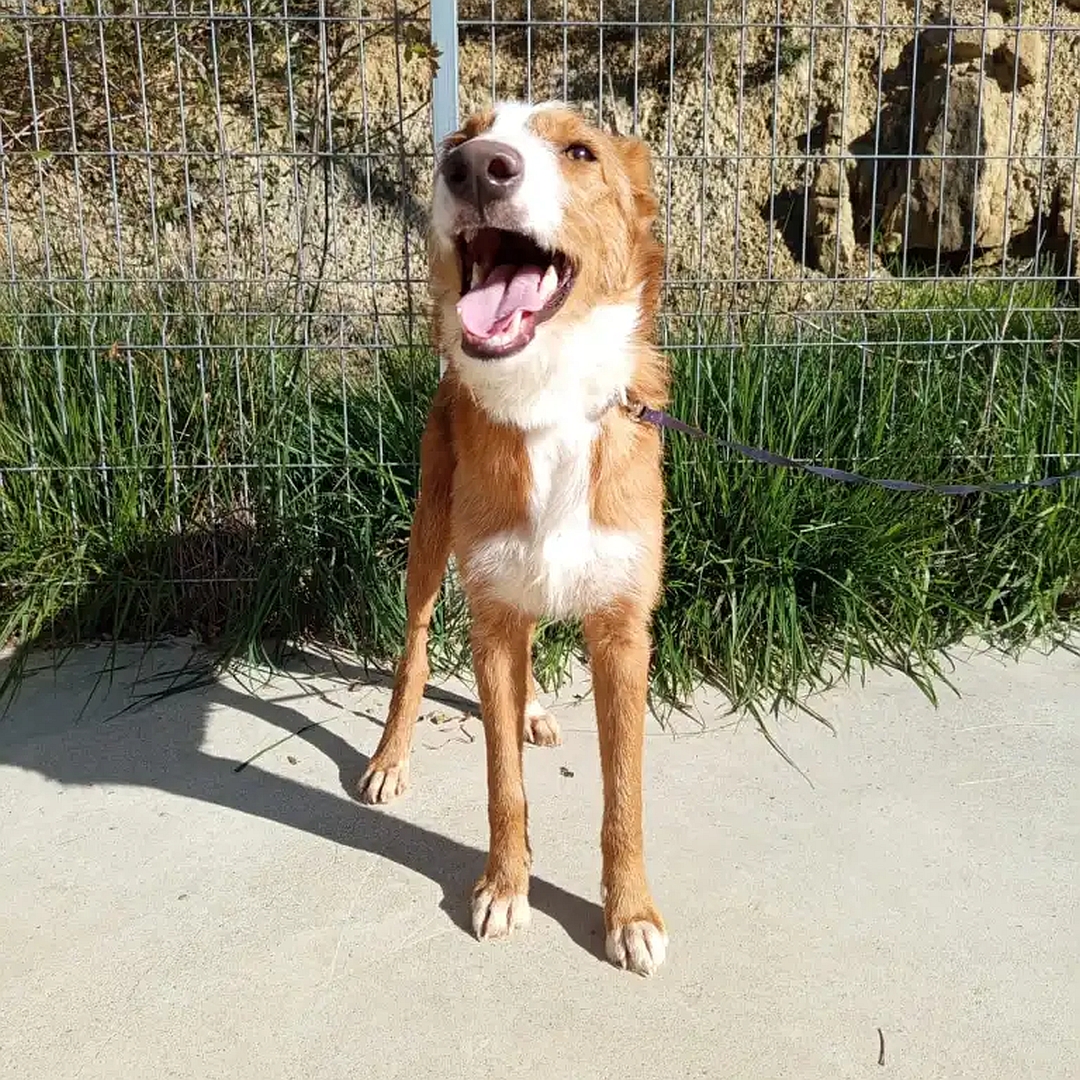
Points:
[481,171]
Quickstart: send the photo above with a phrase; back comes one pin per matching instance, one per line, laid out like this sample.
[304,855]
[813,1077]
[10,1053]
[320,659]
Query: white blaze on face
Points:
[537,205]
[539,201]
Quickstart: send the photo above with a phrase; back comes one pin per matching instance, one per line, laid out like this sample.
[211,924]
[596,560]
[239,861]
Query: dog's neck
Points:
[567,374]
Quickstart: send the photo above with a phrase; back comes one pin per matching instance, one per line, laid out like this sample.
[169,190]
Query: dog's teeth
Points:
[550,281]
[477,275]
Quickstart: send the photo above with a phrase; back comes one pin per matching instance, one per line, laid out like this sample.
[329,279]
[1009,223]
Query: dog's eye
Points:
[579,152]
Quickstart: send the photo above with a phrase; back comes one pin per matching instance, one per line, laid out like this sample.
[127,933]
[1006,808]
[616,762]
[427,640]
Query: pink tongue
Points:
[486,308]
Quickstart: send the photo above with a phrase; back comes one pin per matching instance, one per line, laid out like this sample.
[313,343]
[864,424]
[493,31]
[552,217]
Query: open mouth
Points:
[509,284]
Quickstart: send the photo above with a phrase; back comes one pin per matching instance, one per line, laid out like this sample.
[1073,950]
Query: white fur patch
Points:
[637,946]
[567,372]
[541,728]
[559,564]
[496,916]
[538,203]
[534,710]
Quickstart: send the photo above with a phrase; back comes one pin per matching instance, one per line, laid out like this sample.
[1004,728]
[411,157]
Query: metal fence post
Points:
[444,89]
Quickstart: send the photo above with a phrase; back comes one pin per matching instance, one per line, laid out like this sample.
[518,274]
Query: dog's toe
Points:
[497,914]
[382,784]
[637,946]
[541,728]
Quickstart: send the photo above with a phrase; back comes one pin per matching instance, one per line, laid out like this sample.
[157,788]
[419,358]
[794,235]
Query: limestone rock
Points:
[1019,59]
[830,223]
[953,44]
[956,199]
[1064,238]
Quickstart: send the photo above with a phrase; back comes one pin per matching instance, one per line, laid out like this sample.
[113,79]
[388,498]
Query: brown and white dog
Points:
[545,278]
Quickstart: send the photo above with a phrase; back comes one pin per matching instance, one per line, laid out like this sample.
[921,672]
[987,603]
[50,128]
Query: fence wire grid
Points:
[187,186]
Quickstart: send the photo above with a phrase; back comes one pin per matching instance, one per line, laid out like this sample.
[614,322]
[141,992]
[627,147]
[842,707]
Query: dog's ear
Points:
[637,164]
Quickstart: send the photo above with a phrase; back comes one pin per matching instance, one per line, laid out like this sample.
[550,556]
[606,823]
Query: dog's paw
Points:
[498,912]
[383,782]
[637,946]
[541,728]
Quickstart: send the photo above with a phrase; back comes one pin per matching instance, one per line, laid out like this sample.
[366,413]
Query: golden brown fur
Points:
[475,485]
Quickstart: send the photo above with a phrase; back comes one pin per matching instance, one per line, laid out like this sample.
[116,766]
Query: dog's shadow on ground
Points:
[46,732]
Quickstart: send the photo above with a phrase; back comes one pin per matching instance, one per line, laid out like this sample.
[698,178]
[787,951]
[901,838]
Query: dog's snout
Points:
[482,171]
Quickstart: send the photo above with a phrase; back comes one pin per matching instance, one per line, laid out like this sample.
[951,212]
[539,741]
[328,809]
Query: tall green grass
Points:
[170,465]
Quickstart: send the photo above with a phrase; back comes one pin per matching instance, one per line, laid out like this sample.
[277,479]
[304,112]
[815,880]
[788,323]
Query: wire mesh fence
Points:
[811,156]
[213,222]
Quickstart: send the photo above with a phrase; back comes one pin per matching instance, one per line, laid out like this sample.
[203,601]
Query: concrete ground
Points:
[187,889]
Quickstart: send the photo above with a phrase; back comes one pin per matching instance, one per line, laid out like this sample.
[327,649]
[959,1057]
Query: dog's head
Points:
[539,221]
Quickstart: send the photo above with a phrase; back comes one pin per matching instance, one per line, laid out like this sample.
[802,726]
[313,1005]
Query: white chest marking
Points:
[559,564]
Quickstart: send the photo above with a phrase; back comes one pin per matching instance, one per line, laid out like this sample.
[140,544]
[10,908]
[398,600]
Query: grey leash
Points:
[664,420]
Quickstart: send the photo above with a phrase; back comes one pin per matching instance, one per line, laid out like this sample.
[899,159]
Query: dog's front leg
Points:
[500,648]
[618,643]
[387,775]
